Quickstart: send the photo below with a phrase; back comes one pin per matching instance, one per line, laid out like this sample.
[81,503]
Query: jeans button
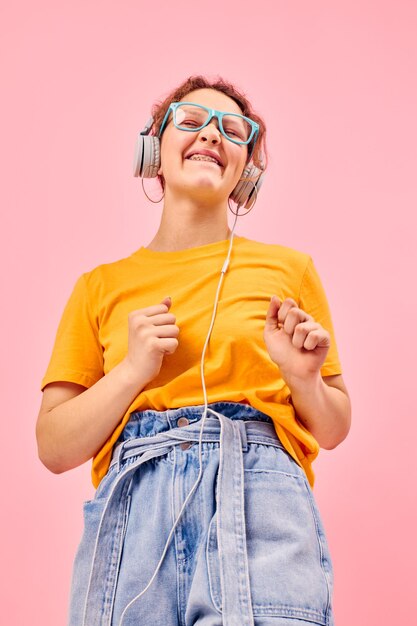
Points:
[183,421]
[185,445]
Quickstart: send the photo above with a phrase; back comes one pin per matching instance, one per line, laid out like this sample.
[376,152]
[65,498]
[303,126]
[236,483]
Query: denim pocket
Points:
[92,511]
[289,564]
[96,568]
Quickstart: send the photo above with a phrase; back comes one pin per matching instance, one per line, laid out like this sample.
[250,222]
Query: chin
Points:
[202,180]
[202,185]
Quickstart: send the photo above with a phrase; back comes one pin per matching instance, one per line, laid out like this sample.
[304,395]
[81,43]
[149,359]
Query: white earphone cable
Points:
[200,473]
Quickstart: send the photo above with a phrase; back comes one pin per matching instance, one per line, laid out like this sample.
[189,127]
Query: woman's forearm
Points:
[72,433]
[324,410]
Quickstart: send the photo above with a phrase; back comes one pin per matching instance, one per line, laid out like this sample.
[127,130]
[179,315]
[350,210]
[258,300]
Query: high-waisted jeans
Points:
[248,547]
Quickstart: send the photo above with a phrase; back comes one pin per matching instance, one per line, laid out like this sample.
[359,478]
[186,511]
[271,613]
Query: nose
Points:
[210,133]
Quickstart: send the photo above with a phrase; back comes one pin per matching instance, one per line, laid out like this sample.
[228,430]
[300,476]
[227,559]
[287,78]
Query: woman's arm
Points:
[299,345]
[322,404]
[74,422]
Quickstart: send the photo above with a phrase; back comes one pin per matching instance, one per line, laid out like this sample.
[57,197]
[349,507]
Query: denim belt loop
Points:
[243,434]
[118,454]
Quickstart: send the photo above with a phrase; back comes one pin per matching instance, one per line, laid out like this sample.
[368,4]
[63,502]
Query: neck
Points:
[186,223]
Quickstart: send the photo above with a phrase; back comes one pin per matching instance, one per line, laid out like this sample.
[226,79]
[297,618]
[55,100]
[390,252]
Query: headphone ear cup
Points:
[244,193]
[147,159]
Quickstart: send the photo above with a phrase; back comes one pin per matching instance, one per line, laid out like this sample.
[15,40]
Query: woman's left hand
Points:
[295,342]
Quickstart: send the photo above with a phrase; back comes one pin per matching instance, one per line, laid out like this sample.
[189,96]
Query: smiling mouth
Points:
[204,161]
[206,158]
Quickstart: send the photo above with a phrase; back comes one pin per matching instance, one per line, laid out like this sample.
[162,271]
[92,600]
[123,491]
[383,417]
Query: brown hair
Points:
[259,156]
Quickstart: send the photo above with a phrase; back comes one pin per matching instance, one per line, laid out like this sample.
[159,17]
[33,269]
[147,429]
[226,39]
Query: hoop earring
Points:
[150,199]
[248,211]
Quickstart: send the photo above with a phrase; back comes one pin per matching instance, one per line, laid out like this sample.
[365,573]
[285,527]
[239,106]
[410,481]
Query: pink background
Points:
[336,84]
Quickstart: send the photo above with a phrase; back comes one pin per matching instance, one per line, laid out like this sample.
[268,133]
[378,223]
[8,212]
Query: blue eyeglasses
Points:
[193,117]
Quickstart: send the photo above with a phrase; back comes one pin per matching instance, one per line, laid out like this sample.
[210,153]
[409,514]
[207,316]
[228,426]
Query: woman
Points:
[204,512]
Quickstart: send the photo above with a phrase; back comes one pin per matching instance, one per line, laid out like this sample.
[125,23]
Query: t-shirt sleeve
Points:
[77,354]
[313,300]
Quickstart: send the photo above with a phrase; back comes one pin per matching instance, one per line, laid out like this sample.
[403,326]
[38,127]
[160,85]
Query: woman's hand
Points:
[295,342]
[152,335]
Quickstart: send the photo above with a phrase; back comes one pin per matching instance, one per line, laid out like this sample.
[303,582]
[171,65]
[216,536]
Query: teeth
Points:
[202,157]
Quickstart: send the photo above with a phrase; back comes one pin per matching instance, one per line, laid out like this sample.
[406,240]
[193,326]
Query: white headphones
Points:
[147,162]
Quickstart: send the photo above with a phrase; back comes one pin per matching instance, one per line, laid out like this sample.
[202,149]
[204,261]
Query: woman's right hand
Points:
[152,335]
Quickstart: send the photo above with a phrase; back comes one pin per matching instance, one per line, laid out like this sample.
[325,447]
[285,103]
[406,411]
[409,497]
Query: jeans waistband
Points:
[151,422]
[254,426]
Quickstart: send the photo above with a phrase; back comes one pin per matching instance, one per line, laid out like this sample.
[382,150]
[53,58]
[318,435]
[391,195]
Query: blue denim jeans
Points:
[226,533]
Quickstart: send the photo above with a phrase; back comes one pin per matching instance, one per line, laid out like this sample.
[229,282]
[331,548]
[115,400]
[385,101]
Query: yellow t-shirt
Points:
[92,336]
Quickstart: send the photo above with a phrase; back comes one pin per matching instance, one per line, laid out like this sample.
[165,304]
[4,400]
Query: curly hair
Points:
[259,156]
